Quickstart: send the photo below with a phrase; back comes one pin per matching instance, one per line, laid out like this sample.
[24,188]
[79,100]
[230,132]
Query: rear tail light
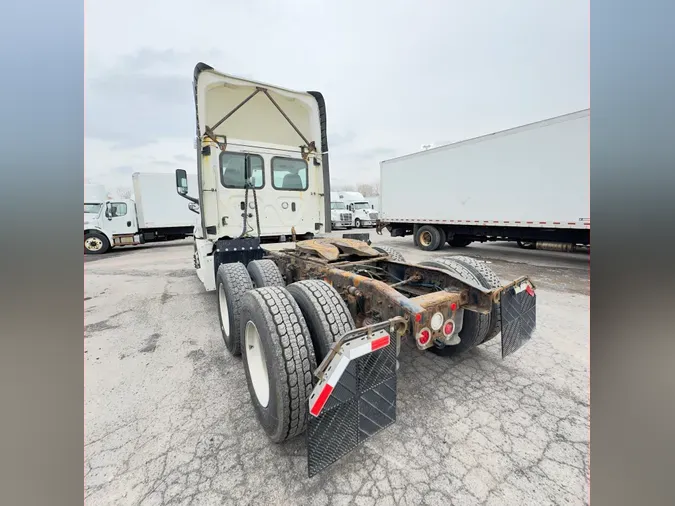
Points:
[424,336]
[448,328]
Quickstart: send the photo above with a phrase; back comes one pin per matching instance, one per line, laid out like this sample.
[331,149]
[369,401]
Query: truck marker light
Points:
[424,336]
[448,328]
[437,321]
[453,306]
[418,317]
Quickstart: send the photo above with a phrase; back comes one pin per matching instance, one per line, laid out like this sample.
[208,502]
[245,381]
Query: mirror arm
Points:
[191,199]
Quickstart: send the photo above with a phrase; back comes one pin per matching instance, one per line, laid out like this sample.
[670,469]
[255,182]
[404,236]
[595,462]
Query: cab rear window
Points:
[289,174]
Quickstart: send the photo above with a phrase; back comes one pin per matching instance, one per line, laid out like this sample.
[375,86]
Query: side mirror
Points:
[108,210]
[181,182]
[193,207]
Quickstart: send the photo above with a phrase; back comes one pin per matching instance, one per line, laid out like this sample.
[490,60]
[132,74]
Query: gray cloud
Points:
[446,70]
[185,158]
[123,170]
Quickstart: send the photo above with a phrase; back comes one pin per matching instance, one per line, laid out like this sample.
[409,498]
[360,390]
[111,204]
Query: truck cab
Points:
[340,216]
[262,166]
[110,223]
[363,214]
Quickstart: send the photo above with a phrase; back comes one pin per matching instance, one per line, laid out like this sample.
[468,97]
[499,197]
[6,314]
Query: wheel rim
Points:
[224,313]
[93,244]
[255,362]
[425,238]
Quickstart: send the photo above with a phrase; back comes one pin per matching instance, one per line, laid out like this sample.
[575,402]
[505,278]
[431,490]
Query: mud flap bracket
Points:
[354,400]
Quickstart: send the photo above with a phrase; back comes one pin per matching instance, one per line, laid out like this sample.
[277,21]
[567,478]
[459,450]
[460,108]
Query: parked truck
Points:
[319,320]
[529,184]
[155,214]
[362,210]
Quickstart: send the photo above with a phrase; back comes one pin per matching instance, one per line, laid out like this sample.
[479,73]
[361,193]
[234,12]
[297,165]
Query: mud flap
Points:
[518,315]
[354,400]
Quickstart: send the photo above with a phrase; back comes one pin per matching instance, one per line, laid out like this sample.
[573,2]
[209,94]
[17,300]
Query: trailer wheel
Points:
[488,279]
[459,242]
[265,273]
[232,282]
[393,253]
[95,243]
[279,361]
[430,238]
[475,325]
[325,312]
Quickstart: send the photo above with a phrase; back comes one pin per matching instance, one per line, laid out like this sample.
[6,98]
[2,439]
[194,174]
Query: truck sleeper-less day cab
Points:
[362,210]
[319,321]
[156,214]
[340,216]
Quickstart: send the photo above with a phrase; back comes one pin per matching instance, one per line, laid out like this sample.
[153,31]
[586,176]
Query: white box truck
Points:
[155,214]
[529,184]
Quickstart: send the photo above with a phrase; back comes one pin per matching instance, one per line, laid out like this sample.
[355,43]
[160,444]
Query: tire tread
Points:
[237,282]
[293,348]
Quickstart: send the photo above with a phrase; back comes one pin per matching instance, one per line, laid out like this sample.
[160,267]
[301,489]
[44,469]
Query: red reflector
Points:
[321,400]
[448,328]
[529,290]
[378,343]
[424,337]
[418,317]
[453,306]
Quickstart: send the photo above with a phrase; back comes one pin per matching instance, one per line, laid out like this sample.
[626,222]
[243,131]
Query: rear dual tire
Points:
[279,361]
[429,238]
[286,333]
[232,282]
[265,273]
[394,254]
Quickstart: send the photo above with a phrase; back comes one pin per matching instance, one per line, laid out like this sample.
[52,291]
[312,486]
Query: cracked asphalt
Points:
[168,418]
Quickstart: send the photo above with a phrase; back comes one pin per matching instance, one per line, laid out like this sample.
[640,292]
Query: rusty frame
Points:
[370,299]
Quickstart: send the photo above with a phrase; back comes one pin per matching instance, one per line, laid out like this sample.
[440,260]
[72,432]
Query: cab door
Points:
[290,182]
[120,217]
[234,169]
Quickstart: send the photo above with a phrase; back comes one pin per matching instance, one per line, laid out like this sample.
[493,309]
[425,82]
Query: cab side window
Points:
[118,209]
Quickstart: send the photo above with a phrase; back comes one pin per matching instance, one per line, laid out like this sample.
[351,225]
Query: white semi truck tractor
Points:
[318,321]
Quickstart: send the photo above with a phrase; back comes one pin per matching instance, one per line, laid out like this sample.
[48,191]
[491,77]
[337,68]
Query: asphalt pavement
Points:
[168,418]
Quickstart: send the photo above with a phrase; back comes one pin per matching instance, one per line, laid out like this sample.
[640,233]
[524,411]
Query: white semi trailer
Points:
[529,184]
[155,214]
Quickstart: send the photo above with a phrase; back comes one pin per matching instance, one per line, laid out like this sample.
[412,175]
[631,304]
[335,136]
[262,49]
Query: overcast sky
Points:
[395,74]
